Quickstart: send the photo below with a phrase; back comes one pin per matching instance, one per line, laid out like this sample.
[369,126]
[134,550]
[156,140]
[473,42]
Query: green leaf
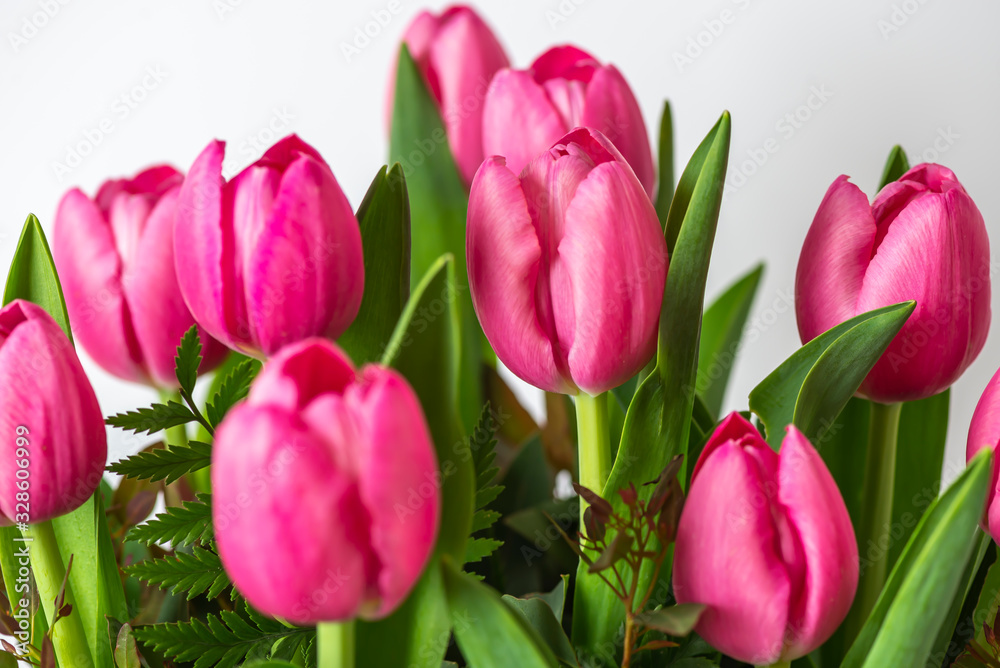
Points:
[482,444]
[188,360]
[661,410]
[165,463]
[895,166]
[199,572]
[811,387]
[988,601]
[489,633]
[33,275]
[424,348]
[157,417]
[665,184]
[183,525]
[126,654]
[384,216]
[675,620]
[234,387]
[542,618]
[950,638]
[721,330]
[902,627]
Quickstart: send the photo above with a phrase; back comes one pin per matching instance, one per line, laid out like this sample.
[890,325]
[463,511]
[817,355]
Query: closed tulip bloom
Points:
[922,239]
[566,87]
[458,55]
[326,492]
[766,544]
[115,257]
[567,264]
[49,410]
[273,255]
[984,432]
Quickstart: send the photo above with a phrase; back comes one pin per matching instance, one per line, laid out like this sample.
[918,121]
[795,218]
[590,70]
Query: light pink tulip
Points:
[46,400]
[922,239]
[766,544]
[272,256]
[984,432]
[326,488]
[115,257]
[458,55]
[567,264]
[566,87]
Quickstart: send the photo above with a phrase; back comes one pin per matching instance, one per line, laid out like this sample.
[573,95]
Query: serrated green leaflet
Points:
[185,525]
[191,573]
[165,463]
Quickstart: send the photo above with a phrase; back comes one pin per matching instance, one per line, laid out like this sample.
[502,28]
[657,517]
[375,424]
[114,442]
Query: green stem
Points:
[594,452]
[780,664]
[335,644]
[876,509]
[68,637]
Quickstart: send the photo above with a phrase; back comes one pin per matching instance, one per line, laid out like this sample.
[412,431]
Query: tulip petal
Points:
[833,261]
[519,121]
[726,558]
[300,373]
[817,514]
[984,432]
[503,255]
[564,62]
[734,427]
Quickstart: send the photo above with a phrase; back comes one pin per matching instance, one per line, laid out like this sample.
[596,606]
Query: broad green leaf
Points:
[33,276]
[438,203]
[907,617]
[895,166]
[809,389]
[665,171]
[961,605]
[721,330]
[490,633]
[384,216]
[424,348]
[658,420]
[542,618]
[126,654]
[988,601]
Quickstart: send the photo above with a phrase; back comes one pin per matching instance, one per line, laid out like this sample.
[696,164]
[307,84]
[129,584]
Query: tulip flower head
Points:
[49,412]
[765,542]
[314,479]
[922,239]
[567,264]
[984,432]
[525,111]
[458,55]
[272,256]
[115,257]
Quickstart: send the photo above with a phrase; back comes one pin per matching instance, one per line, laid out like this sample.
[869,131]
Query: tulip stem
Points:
[876,508]
[594,452]
[68,637]
[335,643]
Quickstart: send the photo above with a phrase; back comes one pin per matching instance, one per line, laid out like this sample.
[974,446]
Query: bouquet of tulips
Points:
[339,473]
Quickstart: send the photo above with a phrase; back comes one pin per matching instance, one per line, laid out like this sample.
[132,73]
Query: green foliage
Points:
[194,573]
[165,463]
[482,443]
[188,360]
[157,417]
[235,387]
[179,525]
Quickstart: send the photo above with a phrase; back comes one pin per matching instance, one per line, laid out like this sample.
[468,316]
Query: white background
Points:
[896,72]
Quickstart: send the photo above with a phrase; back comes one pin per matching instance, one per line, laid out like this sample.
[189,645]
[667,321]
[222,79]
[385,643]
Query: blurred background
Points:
[103,88]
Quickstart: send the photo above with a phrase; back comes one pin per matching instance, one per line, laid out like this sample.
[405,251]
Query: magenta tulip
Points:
[49,413]
[115,258]
[766,544]
[458,55]
[922,239]
[326,488]
[567,264]
[272,256]
[984,432]
[526,110]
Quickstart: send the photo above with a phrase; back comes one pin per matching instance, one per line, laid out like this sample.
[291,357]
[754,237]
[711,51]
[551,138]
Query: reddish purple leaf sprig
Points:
[622,542]
[976,655]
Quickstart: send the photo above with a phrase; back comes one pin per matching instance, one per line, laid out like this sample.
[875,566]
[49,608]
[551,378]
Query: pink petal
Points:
[984,432]
[503,254]
[564,62]
[300,373]
[519,121]
[734,427]
[833,261]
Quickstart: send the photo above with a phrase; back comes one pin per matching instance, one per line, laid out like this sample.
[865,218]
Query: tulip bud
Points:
[922,239]
[326,488]
[567,264]
[458,55]
[765,542]
[984,432]
[272,256]
[50,418]
[526,110]
[115,257]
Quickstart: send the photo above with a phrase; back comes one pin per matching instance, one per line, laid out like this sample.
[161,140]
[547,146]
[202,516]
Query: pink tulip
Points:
[326,488]
[984,432]
[272,256]
[566,265]
[115,258]
[922,239]
[766,544]
[526,110]
[458,55]
[50,418]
